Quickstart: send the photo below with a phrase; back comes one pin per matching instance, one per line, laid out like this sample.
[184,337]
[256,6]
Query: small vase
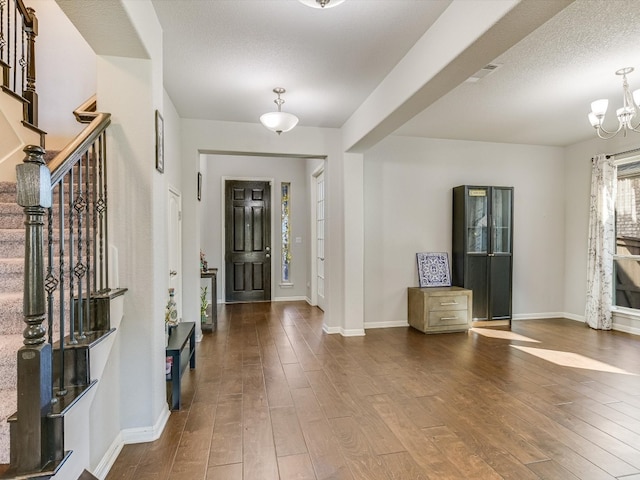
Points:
[171,312]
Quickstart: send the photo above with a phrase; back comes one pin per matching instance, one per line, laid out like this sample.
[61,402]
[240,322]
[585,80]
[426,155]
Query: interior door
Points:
[175,247]
[247,241]
[320,237]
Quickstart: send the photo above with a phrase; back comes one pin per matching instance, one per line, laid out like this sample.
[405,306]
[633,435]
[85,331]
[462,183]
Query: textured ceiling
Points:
[542,92]
[223,58]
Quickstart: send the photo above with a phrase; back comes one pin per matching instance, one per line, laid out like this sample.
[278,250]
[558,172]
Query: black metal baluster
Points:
[106,217]
[80,269]
[22,61]
[72,308]
[87,196]
[61,228]
[14,64]
[94,193]
[101,206]
[3,42]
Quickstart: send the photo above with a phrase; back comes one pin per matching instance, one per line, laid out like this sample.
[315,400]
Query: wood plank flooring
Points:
[275,398]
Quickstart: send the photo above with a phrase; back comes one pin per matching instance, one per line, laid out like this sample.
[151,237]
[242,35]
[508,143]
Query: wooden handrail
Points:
[27,13]
[97,123]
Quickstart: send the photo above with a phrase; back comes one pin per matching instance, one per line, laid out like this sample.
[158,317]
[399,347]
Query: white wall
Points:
[131,89]
[408,184]
[279,169]
[65,73]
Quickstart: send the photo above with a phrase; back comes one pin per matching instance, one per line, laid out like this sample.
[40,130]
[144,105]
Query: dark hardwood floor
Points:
[273,397]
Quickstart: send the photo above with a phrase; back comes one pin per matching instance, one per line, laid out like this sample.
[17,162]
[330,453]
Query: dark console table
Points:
[182,351]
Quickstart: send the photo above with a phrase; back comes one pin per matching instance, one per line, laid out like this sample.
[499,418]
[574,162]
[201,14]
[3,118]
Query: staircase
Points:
[11,287]
[57,312]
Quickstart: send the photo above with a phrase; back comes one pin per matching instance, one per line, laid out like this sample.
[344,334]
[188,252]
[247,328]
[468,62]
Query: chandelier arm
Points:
[636,128]
[600,128]
[605,137]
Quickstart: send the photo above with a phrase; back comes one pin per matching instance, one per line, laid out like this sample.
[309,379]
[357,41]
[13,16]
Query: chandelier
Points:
[321,3]
[626,114]
[279,121]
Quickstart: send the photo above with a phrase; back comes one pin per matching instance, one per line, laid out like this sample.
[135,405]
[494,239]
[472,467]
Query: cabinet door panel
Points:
[476,225]
[500,287]
[501,199]
[477,282]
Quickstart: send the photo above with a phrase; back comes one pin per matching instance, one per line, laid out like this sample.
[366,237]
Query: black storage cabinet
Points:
[482,250]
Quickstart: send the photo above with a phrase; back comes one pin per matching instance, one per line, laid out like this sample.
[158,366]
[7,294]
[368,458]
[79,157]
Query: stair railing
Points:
[18,32]
[69,196]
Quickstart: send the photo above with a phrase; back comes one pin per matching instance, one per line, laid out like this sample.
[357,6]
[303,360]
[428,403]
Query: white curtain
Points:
[602,244]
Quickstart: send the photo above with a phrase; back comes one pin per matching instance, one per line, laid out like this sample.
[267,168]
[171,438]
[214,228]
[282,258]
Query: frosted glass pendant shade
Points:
[279,121]
[321,4]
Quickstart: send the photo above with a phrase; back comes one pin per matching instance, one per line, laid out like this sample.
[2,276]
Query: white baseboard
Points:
[146,434]
[634,330]
[400,323]
[626,329]
[345,332]
[539,316]
[291,299]
[109,458]
[128,436]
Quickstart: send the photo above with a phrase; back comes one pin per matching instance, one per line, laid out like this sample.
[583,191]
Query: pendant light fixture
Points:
[321,3]
[626,114]
[279,121]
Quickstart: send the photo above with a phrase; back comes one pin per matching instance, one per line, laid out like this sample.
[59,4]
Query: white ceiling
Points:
[222,58]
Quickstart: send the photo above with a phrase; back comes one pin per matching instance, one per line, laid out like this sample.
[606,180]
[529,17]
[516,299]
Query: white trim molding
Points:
[353,332]
[539,316]
[399,323]
[146,434]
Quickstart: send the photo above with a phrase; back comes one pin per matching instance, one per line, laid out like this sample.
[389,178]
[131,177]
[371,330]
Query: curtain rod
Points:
[633,150]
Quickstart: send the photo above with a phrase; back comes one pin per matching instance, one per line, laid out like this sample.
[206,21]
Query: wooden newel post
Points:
[34,195]
[32,446]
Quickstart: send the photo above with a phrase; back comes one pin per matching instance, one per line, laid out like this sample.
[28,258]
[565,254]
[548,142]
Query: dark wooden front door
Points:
[248,241]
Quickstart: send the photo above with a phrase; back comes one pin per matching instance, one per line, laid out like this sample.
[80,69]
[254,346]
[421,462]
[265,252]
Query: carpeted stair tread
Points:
[8,407]
[9,346]
[11,243]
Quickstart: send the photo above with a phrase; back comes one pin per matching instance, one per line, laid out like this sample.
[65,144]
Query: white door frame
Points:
[314,235]
[175,281]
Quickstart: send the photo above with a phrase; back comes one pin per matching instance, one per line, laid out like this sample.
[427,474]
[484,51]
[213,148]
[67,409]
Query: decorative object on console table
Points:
[204,303]
[433,269]
[203,262]
[159,142]
[440,309]
[212,315]
[482,250]
[171,313]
